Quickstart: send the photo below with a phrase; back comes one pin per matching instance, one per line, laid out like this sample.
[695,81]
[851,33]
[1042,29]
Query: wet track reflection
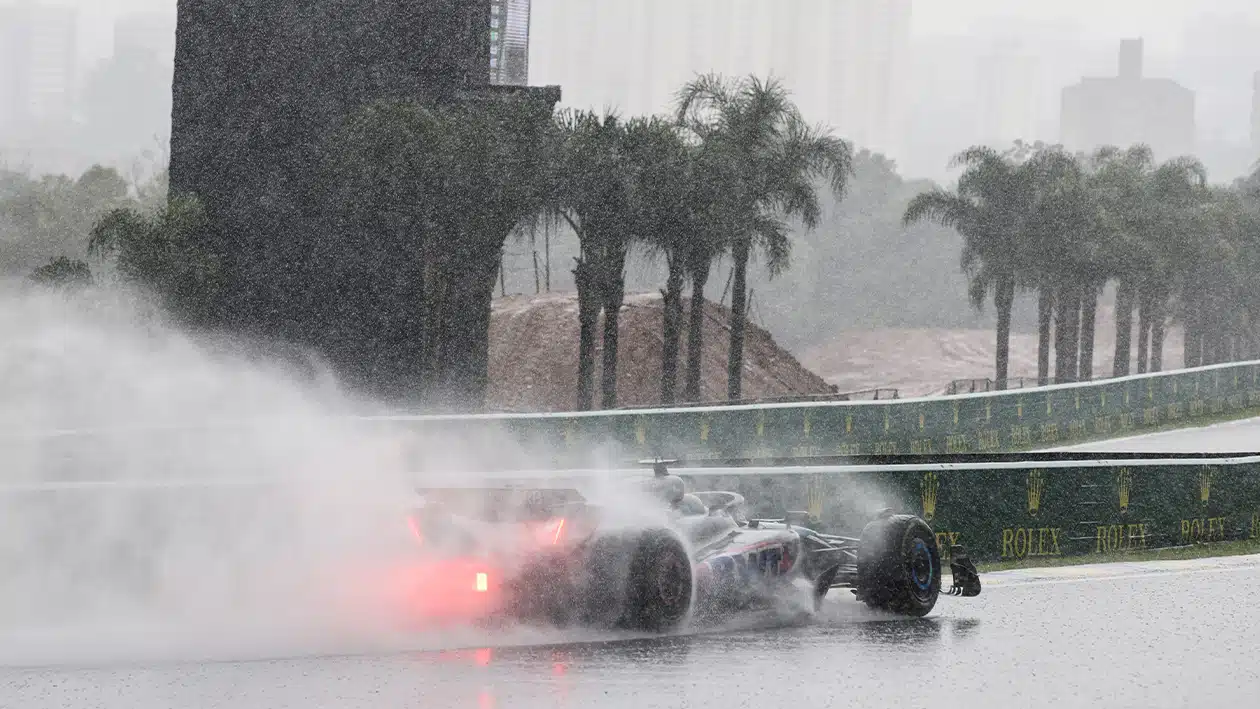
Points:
[1171,635]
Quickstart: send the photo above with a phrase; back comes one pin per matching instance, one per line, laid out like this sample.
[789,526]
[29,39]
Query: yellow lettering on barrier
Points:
[1102,424]
[849,449]
[1197,407]
[929,489]
[1217,406]
[988,440]
[1076,429]
[1150,416]
[1254,531]
[886,448]
[1120,537]
[1174,412]
[1126,421]
[1026,542]
[1202,531]
[1124,487]
[922,446]
[1049,432]
[1021,435]
[957,443]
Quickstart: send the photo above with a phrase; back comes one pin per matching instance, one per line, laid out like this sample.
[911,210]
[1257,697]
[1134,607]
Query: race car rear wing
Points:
[501,503]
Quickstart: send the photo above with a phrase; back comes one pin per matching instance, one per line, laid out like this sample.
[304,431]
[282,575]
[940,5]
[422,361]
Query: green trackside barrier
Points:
[1017,511]
[1017,420]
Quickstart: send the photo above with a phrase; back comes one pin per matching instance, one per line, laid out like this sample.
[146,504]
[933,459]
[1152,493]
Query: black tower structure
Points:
[259,84]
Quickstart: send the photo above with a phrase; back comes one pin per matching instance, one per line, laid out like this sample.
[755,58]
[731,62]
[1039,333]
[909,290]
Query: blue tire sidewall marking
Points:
[925,584]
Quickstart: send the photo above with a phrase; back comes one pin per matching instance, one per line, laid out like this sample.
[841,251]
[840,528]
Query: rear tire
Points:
[659,594]
[640,581]
[899,566]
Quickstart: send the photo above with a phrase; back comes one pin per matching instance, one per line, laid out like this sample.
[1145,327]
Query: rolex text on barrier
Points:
[1056,505]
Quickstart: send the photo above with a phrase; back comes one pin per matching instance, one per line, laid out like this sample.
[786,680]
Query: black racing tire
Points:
[899,566]
[639,581]
[660,589]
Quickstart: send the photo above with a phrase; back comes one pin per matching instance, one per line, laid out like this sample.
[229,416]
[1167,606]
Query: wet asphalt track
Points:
[1148,636]
[1231,437]
[1178,634]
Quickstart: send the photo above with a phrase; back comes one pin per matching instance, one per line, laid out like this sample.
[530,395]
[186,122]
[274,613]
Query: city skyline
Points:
[915,82]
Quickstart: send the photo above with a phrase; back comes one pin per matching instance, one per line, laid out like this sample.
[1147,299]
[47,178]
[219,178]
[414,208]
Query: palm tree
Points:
[590,190]
[162,250]
[755,128]
[1176,191]
[1057,256]
[989,209]
[1118,186]
[667,218]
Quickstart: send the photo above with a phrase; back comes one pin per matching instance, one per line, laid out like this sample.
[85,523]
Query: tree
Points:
[162,251]
[45,218]
[590,189]
[755,127]
[423,199]
[63,272]
[1176,191]
[989,209]
[663,218]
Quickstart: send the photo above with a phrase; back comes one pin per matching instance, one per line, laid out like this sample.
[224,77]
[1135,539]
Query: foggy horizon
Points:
[939,100]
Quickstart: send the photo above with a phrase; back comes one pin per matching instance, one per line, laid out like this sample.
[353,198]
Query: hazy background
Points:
[955,72]
[910,81]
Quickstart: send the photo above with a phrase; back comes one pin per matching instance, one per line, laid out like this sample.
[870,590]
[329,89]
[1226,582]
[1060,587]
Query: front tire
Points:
[899,566]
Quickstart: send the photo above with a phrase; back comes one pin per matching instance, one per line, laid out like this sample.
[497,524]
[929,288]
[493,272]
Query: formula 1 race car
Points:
[551,556]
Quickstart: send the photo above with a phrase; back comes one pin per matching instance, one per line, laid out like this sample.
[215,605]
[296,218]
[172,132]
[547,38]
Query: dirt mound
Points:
[534,353]
[924,361]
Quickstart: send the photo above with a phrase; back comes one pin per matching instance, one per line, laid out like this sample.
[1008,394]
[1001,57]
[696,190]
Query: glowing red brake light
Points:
[483,582]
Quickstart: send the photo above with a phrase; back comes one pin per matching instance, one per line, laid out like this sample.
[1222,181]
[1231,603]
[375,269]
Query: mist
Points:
[168,498]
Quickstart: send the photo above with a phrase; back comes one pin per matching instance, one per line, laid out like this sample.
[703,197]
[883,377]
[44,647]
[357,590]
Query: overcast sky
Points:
[1159,21]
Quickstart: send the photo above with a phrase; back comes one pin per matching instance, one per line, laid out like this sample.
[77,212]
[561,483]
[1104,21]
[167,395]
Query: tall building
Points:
[865,50]
[509,42]
[38,66]
[1009,105]
[260,89]
[1255,115]
[1128,109]
[146,33]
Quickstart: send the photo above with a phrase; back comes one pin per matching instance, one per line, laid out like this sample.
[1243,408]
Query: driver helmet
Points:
[692,505]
